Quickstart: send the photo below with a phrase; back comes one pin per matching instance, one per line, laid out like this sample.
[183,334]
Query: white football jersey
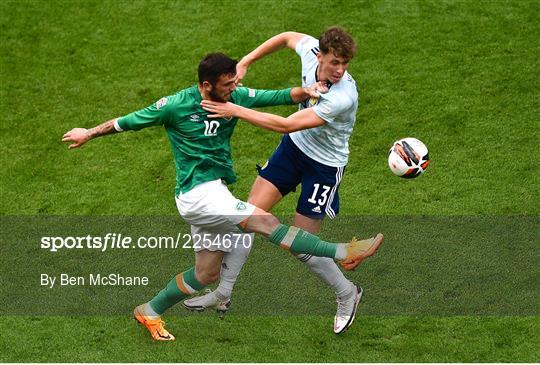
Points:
[329,143]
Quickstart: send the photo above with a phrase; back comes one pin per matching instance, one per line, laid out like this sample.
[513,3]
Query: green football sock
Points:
[180,287]
[300,241]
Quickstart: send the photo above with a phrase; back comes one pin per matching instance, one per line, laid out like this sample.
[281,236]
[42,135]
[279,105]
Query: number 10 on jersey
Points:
[211,127]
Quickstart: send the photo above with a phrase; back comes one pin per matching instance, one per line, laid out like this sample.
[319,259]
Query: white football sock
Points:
[231,266]
[326,269]
[341,251]
[148,311]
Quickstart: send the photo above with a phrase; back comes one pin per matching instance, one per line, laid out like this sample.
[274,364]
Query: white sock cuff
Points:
[148,311]
[341,251]
[222,293]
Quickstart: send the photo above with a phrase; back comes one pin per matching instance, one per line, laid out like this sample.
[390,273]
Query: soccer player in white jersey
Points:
[315,158]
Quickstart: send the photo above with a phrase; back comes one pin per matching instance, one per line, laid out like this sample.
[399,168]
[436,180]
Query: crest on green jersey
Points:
[161,103]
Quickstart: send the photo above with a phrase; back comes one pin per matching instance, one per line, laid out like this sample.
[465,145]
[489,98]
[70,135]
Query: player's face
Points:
[331,67]
[223,88]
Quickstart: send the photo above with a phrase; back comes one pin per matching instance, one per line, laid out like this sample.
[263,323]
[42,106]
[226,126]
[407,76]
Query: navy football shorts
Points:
[289,166]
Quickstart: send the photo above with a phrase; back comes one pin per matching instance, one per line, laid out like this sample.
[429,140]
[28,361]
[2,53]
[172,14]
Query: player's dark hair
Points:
[213,65]
[337,41]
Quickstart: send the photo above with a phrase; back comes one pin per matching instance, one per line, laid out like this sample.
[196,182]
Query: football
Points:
[408,158]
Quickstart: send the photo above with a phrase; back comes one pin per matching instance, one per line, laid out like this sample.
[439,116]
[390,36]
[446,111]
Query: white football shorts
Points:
[214,214]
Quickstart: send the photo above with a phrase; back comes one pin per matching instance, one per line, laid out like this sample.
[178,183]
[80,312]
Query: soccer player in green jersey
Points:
[201,151]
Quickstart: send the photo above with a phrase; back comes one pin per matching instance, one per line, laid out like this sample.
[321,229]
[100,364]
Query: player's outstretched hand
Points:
[77,135]
[241,70]
[315,90]
[318,88]
[220,110]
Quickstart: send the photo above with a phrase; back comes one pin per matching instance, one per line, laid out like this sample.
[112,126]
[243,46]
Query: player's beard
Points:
[214,96]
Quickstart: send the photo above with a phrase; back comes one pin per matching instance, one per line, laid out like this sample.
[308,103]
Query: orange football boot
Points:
[357,251]
[155,326]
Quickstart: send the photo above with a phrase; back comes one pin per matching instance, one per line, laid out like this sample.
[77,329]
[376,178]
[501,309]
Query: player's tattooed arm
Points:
[80,136]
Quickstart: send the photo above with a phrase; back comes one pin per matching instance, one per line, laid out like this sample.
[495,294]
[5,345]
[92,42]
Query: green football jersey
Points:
[200,145]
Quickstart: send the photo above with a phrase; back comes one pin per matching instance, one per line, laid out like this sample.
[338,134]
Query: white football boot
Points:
[210,301]
[346,311]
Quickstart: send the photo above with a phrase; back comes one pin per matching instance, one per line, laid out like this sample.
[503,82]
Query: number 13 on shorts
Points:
[323,195]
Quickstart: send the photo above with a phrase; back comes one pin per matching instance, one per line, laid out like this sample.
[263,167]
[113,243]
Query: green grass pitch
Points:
[462,76]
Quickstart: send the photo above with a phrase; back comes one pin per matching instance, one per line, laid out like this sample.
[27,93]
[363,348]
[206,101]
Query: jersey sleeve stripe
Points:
[117,126]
